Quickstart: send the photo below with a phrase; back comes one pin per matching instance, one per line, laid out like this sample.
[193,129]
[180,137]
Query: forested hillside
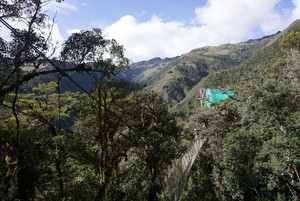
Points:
[253,147]
[111,139]
[175,78]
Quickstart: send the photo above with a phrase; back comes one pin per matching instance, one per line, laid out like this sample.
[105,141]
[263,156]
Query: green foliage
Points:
[122,131]
[291,40]
[174,80]
[121,138]
[121,142]
[89,47]
[87,160]
[30,149]
[254,138]
[200,185]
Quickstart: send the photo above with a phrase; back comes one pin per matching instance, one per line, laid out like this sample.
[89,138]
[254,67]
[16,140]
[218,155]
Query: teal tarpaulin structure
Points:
[215,96]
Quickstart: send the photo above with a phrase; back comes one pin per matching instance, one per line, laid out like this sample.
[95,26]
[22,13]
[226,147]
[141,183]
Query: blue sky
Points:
[106,12]
[167,28]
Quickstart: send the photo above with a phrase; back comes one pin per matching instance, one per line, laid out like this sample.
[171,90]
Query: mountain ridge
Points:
[270,54]
[175,77]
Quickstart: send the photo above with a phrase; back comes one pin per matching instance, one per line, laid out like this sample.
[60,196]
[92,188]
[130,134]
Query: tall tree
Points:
[158,142]
[102,120]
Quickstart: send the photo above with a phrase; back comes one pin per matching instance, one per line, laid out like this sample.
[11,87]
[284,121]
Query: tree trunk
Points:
[25,184]
[101,192]
[60,176]
[103,182]
[154,189]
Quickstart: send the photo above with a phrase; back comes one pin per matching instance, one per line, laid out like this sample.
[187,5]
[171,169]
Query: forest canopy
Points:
[116,141]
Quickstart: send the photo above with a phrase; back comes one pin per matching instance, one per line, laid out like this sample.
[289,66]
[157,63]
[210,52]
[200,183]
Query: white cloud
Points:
[296,11]
[56,36]
[57,39]
[238,19]
[152,38]
[218,22]
[63,7]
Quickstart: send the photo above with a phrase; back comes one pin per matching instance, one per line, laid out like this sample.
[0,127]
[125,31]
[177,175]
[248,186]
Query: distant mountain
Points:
[175,77]
[139,72]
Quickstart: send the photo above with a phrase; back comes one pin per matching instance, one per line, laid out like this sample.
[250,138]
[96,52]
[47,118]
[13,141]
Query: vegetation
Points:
[252,151]
[174,80]
[114,143]
[118,142]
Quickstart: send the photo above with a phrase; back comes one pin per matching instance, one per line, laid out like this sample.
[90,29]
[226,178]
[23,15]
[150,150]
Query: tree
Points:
[18,52]
[36,149]
[127,128]
[158,141]
[22,59]
[102,122]
[29,47]
[91,51]
[200,185]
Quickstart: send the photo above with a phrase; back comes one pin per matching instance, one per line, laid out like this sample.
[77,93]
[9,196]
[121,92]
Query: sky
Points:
[168,28]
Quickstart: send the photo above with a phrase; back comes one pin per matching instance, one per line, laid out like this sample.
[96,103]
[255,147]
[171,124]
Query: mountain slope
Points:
[175,79]
[262,61]
[139,71]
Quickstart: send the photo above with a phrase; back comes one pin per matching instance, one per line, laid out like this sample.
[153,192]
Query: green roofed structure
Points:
[209,96]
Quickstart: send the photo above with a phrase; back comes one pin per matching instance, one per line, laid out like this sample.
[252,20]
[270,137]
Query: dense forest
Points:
[253,139]
[119,141]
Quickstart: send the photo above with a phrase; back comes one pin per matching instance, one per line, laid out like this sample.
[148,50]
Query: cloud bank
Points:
[217,22]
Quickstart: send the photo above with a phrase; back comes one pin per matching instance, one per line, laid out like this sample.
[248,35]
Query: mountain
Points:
[173,78]
[252,138]
[139,71]
[256,67]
